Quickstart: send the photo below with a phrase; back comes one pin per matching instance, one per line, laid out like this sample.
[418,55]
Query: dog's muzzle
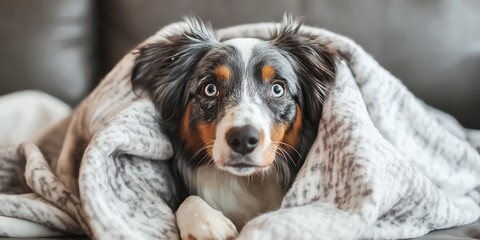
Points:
[242,145]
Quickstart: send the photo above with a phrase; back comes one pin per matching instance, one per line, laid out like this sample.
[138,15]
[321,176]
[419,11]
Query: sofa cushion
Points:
[47,45]
[432,46]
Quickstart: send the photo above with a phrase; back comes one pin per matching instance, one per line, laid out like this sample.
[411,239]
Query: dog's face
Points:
[243,104]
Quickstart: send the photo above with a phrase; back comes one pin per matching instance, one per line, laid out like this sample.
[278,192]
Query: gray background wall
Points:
[65,46]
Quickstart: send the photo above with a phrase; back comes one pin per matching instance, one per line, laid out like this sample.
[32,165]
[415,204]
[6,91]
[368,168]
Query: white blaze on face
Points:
[247,112]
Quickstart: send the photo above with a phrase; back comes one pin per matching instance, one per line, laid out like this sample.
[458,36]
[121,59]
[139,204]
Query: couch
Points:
[65,47]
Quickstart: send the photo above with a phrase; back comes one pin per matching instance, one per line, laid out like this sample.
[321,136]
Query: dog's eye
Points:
[211,90]
[277,90]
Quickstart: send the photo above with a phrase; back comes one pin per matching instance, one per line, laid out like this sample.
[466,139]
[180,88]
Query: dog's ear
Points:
[313,62]
[164,69]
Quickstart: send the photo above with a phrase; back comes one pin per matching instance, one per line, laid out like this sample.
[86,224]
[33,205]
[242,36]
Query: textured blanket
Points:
[384,165]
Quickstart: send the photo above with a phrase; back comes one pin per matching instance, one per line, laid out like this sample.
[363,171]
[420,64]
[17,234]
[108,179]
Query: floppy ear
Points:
[313,62]
[164,69]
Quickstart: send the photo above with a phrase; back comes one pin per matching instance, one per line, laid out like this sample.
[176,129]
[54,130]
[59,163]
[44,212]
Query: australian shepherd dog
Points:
[242,114]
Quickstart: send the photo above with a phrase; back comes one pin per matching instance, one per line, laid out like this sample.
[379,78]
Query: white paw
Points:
[196,220]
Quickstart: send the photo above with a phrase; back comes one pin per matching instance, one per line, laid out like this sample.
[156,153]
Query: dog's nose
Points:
[243,140]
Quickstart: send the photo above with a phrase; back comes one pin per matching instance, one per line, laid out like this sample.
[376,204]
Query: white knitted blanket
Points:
[384,165]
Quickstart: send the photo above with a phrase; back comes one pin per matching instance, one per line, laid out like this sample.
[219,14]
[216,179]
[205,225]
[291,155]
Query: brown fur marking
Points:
[292,136]
[268,72]
[205,136]
[223,73]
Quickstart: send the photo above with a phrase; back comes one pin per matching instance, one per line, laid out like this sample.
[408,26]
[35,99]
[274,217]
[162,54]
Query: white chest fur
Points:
[238,198]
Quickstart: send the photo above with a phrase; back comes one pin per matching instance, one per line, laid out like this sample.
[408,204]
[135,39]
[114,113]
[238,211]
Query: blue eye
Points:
[277,90]
[211,90]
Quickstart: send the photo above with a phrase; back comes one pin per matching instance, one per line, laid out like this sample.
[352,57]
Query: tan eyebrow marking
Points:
[223,72]
[268,72]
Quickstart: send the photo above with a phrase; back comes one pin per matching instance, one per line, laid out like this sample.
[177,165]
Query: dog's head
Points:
[243,103]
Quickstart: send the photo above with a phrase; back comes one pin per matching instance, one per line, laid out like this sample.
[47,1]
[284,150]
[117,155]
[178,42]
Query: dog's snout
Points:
[243,140]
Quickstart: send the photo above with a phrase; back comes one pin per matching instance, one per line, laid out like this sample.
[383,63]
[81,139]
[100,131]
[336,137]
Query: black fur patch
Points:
[164,68]
[313,61]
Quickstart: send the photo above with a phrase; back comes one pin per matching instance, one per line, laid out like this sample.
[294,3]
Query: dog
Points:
[242,114]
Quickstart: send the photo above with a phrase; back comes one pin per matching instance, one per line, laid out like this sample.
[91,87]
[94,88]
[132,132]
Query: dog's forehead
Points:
[262,60]
[244,46]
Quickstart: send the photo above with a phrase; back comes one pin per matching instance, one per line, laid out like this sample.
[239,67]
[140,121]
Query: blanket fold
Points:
[383,165]
[126,186]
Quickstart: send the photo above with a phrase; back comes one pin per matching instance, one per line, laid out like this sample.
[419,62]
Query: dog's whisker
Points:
[285,154]
[275,160]
[197,152]
[206,156]
[288,157]
[211,160]
[201,160]
[289,146]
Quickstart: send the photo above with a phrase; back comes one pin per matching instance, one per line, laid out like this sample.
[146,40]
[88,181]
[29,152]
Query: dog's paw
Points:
[196,220]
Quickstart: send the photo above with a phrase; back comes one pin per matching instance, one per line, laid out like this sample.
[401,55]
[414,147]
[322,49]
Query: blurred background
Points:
[65,47]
